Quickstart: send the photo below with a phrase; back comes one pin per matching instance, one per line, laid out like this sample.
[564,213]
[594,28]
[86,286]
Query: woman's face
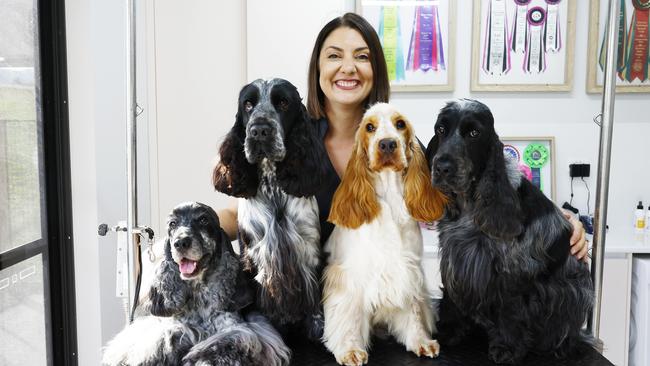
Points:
[345,69]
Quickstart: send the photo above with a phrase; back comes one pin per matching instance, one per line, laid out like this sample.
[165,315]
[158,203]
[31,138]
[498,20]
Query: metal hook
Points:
[598,118]
[138,110]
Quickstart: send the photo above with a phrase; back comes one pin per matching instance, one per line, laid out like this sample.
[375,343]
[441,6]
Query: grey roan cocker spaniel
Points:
[194,304]
[272,160]
[504,247]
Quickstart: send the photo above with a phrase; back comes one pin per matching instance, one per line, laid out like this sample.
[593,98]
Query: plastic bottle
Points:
[639,219]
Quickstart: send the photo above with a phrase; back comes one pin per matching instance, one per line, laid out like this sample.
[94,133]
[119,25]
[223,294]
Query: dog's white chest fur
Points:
[382,257]
[258,217]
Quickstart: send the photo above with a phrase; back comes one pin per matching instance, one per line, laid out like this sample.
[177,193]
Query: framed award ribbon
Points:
[535,56]
[523,45]
[633,46]
[418,41]
[535,157]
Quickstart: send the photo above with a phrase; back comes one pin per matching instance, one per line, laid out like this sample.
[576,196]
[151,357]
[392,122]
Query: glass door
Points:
[35,322]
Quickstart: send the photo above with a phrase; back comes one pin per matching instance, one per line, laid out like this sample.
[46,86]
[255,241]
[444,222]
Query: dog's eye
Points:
[172,224]
[204,221]
[283,105]
[440,130]
[400,124]
[370,127]
[248,106]
[474,133]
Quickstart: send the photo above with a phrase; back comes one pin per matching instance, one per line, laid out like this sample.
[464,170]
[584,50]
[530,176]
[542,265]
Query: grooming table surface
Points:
[387,352]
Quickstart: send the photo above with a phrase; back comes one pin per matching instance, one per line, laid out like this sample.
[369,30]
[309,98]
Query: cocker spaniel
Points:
[194,304]
[504,247]
[374,275]
[272,160]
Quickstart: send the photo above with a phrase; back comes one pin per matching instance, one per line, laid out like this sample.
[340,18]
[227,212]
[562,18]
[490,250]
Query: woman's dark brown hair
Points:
[380,85]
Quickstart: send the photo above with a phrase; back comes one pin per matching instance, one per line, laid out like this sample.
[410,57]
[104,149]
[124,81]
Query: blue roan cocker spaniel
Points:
[194,304]
[505,262]
[272,160]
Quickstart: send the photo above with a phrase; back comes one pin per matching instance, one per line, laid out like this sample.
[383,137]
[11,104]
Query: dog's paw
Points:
[503,355]
[428,347]
[355,357]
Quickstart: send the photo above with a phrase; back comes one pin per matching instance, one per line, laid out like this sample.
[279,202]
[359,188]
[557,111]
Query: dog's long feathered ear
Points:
[302,170]
[424,202]
[243,295]
[355,201]
[168,292]
[432,149]
[497,202]
[168,250]
[234,175]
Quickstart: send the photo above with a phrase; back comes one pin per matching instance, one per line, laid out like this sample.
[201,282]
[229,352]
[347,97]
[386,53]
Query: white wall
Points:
[198,65]
[96,44]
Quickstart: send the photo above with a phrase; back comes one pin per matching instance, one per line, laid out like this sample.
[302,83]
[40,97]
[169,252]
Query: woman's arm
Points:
[228,219]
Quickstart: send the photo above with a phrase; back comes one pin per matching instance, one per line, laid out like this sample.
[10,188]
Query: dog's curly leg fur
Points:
[509,340]
[453,326]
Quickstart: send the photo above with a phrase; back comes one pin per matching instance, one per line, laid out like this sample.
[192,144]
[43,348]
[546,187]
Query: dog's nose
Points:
[182,243]
[387,146]
[261,131]
[443,167]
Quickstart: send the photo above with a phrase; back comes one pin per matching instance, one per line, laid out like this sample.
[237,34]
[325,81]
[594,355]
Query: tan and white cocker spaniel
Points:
[374,274]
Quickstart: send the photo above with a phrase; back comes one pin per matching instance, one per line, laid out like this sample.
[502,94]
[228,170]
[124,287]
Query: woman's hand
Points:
[579,244]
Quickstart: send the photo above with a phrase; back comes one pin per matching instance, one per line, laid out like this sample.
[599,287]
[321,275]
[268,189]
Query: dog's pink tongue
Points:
[187,266]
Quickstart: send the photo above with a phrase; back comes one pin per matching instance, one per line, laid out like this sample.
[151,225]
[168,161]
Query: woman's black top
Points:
[328,186]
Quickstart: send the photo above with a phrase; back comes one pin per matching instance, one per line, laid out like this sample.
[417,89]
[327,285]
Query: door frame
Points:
[54,166]
[56,153]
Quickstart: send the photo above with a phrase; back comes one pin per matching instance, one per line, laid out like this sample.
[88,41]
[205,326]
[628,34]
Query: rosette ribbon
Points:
[535,57]
[496,52]
[519,26]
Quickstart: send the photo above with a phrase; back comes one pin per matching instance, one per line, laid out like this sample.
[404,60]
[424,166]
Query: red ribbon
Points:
[638,62]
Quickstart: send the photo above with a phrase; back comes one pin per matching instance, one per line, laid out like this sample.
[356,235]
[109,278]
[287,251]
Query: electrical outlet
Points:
[579,170]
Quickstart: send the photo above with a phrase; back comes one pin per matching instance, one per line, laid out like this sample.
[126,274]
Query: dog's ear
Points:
[168,250]
[234,175]
[498,211]
[432,149]
[243,295]
[226,244]
[168,292]
[355,200]
[302,170]
[424,202]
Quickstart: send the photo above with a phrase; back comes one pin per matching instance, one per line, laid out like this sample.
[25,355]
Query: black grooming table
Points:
[387,352]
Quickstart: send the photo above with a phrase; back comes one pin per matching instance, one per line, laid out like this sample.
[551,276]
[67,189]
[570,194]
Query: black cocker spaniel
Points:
[505,262]
[273,160]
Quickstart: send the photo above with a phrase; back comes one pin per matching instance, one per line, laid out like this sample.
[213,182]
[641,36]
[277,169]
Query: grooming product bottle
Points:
[639,219]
